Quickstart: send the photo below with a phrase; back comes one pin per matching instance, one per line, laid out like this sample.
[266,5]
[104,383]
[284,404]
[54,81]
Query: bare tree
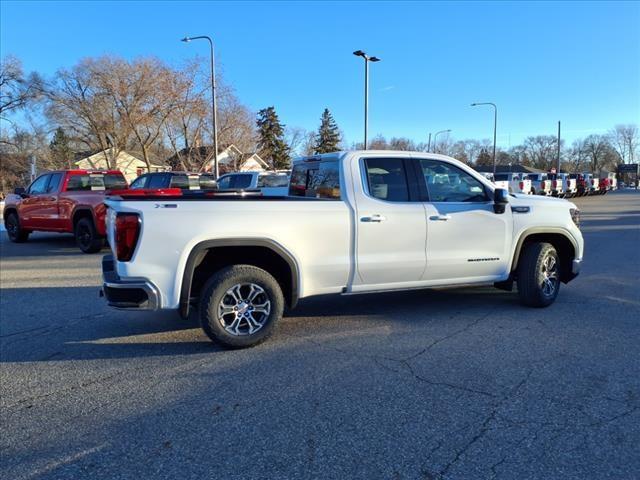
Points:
[144,93]
[16,90]
[599,153]
[77,102]
[626,140]
[402,143]
[542,150]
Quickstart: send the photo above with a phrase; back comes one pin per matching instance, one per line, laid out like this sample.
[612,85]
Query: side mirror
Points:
[20,191]
[500,200]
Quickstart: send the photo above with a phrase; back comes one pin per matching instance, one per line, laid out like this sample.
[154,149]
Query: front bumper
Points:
[130,294]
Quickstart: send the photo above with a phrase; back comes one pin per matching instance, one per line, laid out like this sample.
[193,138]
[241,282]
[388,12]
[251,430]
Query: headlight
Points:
[575,216]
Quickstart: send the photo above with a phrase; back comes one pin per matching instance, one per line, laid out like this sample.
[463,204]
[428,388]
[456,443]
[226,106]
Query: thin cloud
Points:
[386,89]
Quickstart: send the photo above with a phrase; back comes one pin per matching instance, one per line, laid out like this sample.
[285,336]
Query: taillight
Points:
[127,232]
[521,185]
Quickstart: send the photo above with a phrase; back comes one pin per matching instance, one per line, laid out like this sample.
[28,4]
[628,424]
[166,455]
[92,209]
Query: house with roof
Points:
[130,165]
[230,159]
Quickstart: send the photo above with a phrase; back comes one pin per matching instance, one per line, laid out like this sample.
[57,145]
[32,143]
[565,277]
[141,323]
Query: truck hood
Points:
[540,201]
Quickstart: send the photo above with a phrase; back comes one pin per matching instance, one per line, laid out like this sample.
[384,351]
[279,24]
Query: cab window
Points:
[448,183]
[315,179]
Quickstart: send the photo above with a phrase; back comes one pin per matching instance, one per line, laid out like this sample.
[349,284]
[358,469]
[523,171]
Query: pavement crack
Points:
[447,337]
[485,425]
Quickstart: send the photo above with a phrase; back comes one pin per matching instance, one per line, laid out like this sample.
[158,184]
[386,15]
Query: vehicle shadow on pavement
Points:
[428,301]
[85,328]
[94,331]
[41,245]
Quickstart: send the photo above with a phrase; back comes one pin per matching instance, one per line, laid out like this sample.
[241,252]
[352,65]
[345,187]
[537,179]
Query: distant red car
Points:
[68,201]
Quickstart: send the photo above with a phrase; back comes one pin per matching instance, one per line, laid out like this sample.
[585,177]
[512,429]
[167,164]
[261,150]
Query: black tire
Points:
[538,275]
[215,297]
[87,237]
[14,231]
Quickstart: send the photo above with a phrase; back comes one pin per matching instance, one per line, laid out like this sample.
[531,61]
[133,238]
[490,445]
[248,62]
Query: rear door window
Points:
[156,181]
[54,183]
[241,181]
[387,179]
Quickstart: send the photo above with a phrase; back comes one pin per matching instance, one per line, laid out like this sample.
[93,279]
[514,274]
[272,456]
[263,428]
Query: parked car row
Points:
[72,201]
[561,185]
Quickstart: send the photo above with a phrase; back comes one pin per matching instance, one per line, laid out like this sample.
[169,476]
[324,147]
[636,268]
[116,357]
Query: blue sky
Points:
[541,62]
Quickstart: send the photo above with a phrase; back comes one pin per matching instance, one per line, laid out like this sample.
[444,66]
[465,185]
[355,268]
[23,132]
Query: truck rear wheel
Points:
[240,306]
[87,237]
[538,275]
[15,232]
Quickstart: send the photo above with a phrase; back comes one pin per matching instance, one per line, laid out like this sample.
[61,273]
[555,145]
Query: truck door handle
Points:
[441,218]
[373,219]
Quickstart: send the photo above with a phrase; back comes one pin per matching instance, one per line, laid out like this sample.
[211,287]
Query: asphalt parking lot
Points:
[463,384]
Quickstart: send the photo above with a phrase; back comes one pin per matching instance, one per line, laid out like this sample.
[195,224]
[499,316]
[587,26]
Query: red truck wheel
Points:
[16,234]
[87,237]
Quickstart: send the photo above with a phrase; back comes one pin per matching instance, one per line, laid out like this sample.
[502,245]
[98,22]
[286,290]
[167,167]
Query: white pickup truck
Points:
[354,222]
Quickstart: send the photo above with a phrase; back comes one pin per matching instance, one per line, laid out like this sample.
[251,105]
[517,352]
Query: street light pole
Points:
[495,126]
[367,59]
[213,100]
[435,139]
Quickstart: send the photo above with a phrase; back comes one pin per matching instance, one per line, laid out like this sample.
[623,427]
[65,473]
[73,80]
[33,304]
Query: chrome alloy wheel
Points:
[244,309]
[549,275]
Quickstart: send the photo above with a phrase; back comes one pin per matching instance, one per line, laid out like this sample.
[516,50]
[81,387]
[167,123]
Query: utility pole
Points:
[429,144]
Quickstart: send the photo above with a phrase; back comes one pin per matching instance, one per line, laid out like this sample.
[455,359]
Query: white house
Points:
[130,166]
[231,159]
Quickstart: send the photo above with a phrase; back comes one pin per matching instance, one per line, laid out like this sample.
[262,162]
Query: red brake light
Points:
[521,185]
[127,231]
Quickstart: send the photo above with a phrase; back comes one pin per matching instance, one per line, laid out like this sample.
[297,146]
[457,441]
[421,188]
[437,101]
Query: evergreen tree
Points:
[271,144]
[61,151]
[328,136]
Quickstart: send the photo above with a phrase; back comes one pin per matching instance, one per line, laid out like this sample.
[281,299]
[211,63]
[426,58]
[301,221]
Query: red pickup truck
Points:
[63,201]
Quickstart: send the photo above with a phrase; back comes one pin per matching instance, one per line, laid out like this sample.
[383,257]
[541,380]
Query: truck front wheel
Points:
[87,237]
[538,275]
[15,232]
[240,306]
